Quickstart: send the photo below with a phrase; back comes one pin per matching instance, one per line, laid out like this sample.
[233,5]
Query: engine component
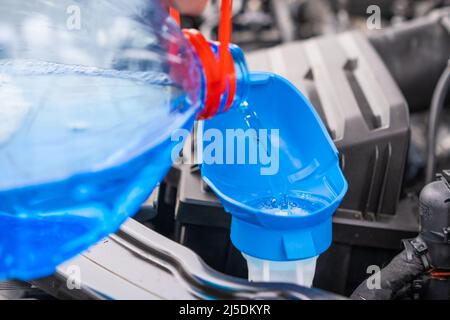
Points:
[437,104]
[435,221]
[396,279]
[171,271]
[425,39]
[422,270]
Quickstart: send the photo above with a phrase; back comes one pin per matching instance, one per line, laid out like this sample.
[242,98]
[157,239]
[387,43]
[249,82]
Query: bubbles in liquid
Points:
[302,204]
[78,126]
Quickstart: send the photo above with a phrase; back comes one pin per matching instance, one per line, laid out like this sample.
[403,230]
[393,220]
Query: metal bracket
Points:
[417,247]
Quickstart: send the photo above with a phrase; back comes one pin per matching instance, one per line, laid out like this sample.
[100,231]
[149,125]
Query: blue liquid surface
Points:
[280,203]
[299,205]
[80,150]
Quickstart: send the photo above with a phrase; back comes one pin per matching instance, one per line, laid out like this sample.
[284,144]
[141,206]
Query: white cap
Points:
[299,272]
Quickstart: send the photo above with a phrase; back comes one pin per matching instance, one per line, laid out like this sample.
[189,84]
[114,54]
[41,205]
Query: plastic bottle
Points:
[91,93]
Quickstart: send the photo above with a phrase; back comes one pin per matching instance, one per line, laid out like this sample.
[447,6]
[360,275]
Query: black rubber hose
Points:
[437,104]
[395,279]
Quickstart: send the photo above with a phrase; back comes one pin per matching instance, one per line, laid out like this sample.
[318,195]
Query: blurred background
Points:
[265,23]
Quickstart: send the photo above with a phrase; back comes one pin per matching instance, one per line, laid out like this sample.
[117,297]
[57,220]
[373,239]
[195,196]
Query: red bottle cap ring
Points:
[220,75]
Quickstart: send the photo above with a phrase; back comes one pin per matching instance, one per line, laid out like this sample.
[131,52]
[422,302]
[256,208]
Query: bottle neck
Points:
[242,75]
[224,72]
[242,80]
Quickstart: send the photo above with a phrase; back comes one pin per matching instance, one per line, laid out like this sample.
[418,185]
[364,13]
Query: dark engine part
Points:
[435,221]
[396,280]
[435,230]
[422,270]
[404,49]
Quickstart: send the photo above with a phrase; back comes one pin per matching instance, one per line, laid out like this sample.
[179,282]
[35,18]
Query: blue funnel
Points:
[282,202]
